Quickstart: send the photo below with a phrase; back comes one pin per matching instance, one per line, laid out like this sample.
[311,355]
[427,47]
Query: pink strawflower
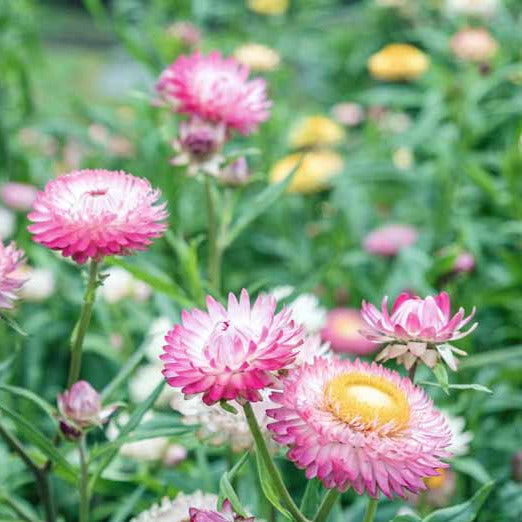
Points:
[417,328]
[227,514]
[18,196]
[216,89]
[389,240]
[353,424]
[11,274]
[230,353]
[96,213]
[80,408]
[465,262]
[342,332]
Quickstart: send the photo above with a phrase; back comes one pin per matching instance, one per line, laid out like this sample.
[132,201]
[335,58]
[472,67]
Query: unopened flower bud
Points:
[236,173]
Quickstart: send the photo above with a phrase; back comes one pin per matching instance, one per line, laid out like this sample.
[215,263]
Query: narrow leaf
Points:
[226,490]
[32,397]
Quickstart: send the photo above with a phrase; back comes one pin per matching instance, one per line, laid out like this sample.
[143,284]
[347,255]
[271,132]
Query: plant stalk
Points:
[83,323]
[214,253]
[275,475]
[371,509]
[326,506]
[84,482]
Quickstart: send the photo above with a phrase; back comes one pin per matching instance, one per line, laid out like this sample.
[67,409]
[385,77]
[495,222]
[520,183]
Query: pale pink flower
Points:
[348,113]
[96,213]
[465,262]
[18,196]
[187,33]
[232,353]
[389,240]
[474,44]
[236,173]
[227,514]
[11,274]
[342,331]
[80,407]
[417,328]
[216,89]
[360,425]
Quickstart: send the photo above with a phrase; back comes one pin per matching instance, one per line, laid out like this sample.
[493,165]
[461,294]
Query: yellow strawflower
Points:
[268,7]
[397,62]
[257,57]
[314,173]
[316,131]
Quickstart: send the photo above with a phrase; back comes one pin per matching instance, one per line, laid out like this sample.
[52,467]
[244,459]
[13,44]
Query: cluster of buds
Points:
[417,329]
[81,408]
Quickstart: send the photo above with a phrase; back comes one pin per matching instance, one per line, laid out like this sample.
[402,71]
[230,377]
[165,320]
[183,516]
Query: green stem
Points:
[84,482]
[274,473]
[214,253]
[40,474]
[371,509]
[83,323]
[326,506]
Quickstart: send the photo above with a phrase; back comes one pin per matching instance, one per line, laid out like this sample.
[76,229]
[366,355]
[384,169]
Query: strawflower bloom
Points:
[18,196]
[199,146]
[11,277]
[186,32]
[342,332]
[7,223]
[177,509]
[236,173]
[306,309]
[230,353]
[257,57]
[39,285]
[460,439]
[474,44]
[348,113]
[481,8]
[465,262]
[315,172]
[226,514]
[389,240]
[216,89]
[316,131]
[441,489]
[96,213]
[119,284]
[80,407]
[268,7]
[398,62]
[417,329]
[360,425]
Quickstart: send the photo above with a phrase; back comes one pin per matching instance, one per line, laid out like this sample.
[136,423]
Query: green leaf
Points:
[268,488]
[407,518]
[125,510]
[41,442]
[471,467]
[13,324]
[227,407]
[257,205]
[494,357]
[132,423]
[442,376]
[32,397]
[311,498]
[161,282]
[472,386]
[226,490]
[465,512]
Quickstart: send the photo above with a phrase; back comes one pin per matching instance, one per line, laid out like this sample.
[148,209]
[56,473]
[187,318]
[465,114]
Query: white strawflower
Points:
[311,348]
[483,8]
[120,285]
[306,309]
[460,439]
[39,285]
[155,338]
[7,223]
[145,380]
[177,509]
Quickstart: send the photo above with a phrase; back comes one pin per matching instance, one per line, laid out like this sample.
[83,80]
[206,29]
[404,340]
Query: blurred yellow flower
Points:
[257,57]
[397,62]
[313,175]
[316,131]
[268,7]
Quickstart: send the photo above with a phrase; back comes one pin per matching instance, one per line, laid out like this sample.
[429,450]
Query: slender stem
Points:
[214,254]
[411,372]
[326,506]
[274,473]
[84,482]
[83,323]
[41,476]
[371,509]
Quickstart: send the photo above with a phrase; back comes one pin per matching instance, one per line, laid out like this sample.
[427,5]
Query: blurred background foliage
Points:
[76,91]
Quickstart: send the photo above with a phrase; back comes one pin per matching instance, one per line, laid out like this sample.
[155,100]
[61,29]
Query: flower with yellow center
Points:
[367,401]
[257,57]
[360,425]
[268,7]
[398,62]
[316,131]
[313,174]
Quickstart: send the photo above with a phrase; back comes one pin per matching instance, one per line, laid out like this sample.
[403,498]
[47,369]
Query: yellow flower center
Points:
[437,481]
[368,400]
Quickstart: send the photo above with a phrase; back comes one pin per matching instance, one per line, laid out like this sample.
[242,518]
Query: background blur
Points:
[442,153]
